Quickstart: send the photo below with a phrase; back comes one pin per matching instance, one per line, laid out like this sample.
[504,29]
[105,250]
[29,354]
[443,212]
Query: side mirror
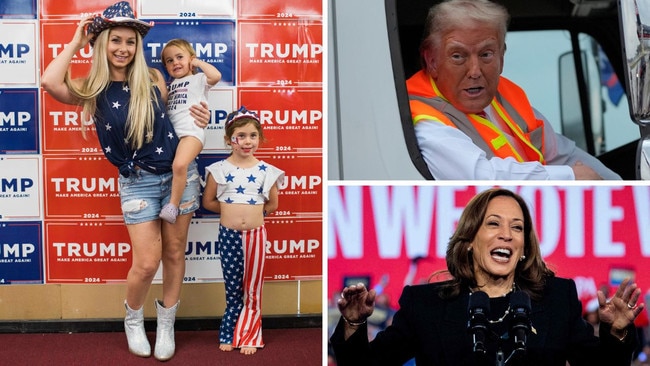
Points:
[634,20]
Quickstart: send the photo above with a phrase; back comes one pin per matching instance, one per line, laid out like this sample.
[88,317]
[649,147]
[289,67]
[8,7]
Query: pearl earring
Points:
[521,259]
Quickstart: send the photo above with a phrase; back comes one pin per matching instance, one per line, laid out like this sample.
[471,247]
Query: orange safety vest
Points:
[510,103]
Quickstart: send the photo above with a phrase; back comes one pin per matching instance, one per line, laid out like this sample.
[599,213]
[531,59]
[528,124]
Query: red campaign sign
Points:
[393,236]
[280,8]
[62,129]
[292,118]
[55,35]
[301,193]
[280,53]
[294,249]
[52,9]
[86,252]
[81,187]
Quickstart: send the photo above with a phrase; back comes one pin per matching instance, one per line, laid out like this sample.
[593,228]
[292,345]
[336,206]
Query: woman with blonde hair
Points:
[126,100]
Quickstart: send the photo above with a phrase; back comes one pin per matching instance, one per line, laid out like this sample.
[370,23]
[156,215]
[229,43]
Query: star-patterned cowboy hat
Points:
[117,15]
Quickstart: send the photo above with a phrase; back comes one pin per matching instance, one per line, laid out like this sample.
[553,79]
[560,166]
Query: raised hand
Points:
[81,38]
[621,310]
[356,304]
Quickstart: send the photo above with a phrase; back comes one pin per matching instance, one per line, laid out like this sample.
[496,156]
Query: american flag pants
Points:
[242,262]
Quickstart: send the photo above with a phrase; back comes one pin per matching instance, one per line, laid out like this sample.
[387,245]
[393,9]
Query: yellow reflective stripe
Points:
[517,130]
[426,117]
[501,140]
[435,89]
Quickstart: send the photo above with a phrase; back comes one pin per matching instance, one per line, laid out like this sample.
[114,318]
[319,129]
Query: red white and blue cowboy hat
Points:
[119,14]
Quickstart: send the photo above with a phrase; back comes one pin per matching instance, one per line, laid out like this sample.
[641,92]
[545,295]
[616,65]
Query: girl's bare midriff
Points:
[239,216]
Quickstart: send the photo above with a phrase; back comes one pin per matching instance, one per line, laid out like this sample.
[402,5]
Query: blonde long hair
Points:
[141,80]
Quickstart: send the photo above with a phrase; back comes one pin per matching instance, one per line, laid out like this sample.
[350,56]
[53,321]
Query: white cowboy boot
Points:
[135,334]
[165,345]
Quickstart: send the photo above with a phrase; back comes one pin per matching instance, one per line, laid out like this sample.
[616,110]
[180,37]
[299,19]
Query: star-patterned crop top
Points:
[248,186]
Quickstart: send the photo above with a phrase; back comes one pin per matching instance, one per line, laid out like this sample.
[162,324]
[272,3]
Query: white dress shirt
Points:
[451,155]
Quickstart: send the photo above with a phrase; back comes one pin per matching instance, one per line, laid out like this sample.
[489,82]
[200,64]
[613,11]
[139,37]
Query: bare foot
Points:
[248,350]
[225,347]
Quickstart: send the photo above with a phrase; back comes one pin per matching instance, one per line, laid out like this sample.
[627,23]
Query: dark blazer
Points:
[434,331]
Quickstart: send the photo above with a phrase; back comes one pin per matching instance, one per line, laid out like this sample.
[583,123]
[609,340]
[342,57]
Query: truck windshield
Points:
[541,74]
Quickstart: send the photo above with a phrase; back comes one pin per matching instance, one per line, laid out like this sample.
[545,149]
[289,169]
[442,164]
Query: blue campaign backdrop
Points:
[18,9]
[213,41]
[19,121]
[21,252]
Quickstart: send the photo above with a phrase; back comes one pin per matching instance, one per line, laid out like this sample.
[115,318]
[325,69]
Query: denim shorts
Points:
[143,194]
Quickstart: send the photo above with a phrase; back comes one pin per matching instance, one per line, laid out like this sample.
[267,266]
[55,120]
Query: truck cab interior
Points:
[593,36]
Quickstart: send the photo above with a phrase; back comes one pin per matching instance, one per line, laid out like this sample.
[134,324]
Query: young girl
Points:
[243,190]
[126,100]
[187,88]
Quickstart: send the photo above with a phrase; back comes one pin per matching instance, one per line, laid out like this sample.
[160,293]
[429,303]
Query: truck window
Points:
[535,61]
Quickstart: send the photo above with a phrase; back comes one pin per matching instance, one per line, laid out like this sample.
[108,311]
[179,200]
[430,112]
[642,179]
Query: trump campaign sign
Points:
[81,187]
[397,235]
[301,190]
[18,52]
[21,258]
[293,247]
[280,53]
[19,122]
[291,118]
[65,130]
[55,35]
[86,252]
[221,101]
[203,262]
[20,187]
[212,40]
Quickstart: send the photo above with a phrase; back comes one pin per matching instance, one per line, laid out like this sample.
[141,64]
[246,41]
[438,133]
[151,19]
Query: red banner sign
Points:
[81,187]
[280,53]
[292,118]
[86,252]
[62,129]
[55,35]
[293,248]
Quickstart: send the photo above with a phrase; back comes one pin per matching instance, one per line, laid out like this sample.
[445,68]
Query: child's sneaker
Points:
[169,213]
